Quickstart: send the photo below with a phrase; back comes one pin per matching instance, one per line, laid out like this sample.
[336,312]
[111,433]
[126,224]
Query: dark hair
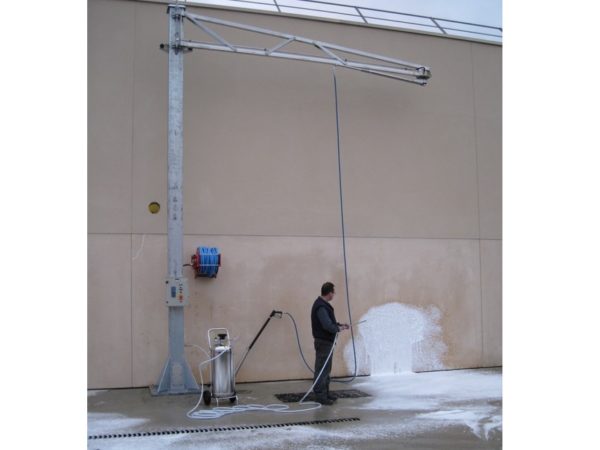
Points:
[327,288]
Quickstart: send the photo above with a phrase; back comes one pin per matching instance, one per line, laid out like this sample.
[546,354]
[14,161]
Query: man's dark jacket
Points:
[317,329]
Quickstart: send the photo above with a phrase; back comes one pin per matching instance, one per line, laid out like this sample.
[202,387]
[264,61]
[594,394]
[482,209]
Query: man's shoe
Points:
[332,397]
[324,401]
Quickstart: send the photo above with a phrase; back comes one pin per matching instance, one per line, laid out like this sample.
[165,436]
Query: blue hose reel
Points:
[206,262]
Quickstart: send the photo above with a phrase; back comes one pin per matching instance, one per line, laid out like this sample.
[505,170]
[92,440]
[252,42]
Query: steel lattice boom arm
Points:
[332,53]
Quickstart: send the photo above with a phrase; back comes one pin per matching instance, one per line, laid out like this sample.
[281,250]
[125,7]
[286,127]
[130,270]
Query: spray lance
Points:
[274,313]
[278,315]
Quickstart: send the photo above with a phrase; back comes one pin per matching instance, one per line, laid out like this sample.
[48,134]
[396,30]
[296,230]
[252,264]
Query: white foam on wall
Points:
[397,338]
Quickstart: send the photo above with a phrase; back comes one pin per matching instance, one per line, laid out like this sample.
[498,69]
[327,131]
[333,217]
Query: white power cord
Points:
[191,414]
[218,412]
[197,346]
[322,368]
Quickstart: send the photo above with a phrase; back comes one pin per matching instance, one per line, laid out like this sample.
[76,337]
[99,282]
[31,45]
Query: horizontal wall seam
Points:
[306,236]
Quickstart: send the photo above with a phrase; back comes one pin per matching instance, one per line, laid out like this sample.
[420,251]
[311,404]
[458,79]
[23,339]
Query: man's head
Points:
[328,291]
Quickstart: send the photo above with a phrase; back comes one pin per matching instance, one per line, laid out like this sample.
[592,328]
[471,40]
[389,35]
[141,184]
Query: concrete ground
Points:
[460,409]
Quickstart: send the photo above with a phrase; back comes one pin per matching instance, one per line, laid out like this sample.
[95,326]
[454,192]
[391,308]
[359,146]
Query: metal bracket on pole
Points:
[178,48]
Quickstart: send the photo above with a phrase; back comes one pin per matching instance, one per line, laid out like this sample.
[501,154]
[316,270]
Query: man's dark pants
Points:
[322,349]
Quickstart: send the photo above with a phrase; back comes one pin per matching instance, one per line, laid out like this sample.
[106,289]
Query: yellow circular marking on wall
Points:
[154,207]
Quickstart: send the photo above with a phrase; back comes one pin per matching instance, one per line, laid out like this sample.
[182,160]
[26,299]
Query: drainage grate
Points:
[215,429]
[344,393]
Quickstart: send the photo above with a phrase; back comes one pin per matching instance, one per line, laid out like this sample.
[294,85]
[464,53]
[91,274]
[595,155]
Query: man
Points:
[324,329]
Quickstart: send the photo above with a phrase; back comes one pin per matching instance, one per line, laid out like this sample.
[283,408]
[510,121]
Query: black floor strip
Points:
[342,393]
[216,429]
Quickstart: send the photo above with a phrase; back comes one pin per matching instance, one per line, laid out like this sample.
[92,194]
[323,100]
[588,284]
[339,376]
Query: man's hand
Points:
[344,326]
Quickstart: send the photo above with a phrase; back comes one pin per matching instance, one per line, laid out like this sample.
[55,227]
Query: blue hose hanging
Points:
[206,262]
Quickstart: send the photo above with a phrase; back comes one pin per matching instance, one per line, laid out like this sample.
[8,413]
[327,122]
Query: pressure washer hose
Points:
[339,158]
[218,412]
[322,368]
[298,341]
[302,353]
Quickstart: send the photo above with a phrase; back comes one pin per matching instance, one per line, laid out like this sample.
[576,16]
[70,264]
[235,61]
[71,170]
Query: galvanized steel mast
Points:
[176,377]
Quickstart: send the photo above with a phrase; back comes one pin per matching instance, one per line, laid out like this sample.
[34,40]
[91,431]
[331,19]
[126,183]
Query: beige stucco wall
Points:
[422,192]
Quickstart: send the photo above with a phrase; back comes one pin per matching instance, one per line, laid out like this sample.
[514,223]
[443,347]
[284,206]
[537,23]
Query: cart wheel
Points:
[206,396]
[232,399]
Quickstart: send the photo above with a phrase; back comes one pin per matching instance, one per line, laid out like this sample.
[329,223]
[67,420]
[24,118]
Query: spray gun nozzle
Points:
[277,314]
